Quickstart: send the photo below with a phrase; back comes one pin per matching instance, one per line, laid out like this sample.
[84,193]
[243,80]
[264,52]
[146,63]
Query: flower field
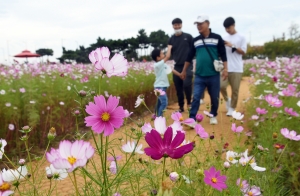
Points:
[156,156]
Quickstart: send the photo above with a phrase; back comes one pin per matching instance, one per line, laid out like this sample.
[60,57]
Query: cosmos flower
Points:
[131,147]
[213,178]
[69,155]
[166,147]
[105,117]
[57,174]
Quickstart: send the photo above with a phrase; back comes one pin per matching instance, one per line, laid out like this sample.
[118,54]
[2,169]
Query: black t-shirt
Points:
[180,47]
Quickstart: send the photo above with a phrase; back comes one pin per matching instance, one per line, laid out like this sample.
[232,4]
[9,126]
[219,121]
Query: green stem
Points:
[30,163]
[103,164]
[131,155]
[164,168]
[75,182]
[280,156]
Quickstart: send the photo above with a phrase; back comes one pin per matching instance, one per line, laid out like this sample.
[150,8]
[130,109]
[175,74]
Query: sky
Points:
[35,24]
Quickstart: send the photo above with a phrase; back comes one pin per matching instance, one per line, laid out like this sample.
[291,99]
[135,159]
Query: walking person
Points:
[179,45]
[207,47]
[236,47]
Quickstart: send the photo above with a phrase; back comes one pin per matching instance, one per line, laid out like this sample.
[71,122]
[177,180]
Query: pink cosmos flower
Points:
[127,113]
[253,191]
[159,92]
[235,129]
[166,146]
[117,66]
[70,155]
[254,117]
[273,101]
[113,167]
[213,178]
[104,116]
[291,112]
[116,158]
[5,187]
[261,111]
[242,184]
[292,135]
[177,116]
[201,132]
[22,90]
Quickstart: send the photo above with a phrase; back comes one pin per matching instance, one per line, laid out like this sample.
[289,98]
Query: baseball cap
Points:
[201,19]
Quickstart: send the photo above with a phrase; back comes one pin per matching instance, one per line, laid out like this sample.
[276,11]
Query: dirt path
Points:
[65,187]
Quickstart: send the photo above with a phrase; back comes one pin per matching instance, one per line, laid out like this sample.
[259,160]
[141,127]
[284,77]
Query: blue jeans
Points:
[162,102]
[212,83]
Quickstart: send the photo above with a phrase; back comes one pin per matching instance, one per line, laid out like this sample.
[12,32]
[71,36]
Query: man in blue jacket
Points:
[205,75]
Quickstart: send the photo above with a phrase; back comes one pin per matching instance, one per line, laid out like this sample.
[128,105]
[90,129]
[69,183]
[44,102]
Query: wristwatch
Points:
[233,46]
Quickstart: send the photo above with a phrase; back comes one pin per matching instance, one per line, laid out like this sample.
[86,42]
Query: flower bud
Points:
[28,175]
[49,176]
[76,112]
[274,135]
[22,162]
[174,176]
[82,93]
[200,172]
[153,117]
[226,164]
[51,134]
[199,117]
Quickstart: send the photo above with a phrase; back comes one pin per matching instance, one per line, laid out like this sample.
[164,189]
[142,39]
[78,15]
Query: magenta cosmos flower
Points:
[104,116]
[166,146]
[292,135]
[291,112]
[117,66]
[261,111]
[70,155]
[213,178]
[273,101]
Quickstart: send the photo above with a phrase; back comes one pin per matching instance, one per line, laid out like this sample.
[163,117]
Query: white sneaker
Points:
[213,121]
[230,110]
[228,104]
[201,101]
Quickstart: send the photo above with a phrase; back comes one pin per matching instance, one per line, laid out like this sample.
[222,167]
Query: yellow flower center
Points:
[230,158]
[214,180]
[72,160]
[105,116]
[252,161]
[181,119]
[4,187]
[250,193]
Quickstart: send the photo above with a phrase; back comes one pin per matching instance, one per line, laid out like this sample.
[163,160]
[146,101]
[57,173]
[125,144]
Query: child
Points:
[161,83]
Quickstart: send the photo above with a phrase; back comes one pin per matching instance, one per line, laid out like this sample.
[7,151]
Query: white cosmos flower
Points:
[298,103]
[139,101]
[230,157]
[237,115]
[160,125]
[129,147]
[12,174]
[251,161]
[3,143]
[68,88]
[2,92]
[186,179]
[58,174]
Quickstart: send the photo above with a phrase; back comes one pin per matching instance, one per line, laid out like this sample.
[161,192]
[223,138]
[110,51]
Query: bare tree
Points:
[294,31]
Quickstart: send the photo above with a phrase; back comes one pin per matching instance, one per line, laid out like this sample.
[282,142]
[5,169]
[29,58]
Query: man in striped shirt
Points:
[205,75]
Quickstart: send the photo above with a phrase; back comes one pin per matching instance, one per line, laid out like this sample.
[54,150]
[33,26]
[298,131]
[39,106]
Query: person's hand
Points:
[183,75]
[224,74]
[228,44]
